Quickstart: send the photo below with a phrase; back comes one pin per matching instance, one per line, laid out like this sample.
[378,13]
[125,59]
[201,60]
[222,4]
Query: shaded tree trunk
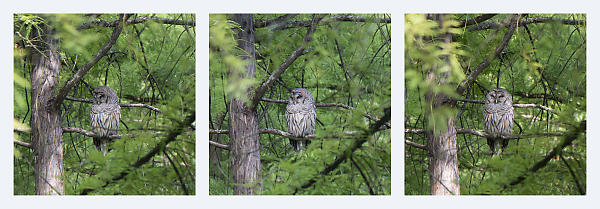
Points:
[243,122]
[443,161]
[46,129]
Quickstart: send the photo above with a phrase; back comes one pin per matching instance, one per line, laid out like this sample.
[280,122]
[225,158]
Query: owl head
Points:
[105,95]
[498,96]
[300,96]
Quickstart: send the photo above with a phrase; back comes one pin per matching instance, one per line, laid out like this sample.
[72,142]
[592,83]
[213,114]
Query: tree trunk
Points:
[243,122]
[46,129]
[443,163]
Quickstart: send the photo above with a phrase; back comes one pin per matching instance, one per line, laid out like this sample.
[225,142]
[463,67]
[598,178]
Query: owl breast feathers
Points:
[300,116]
[105,116]
[498,116]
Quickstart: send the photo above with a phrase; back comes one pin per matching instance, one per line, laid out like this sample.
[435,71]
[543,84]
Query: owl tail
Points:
[101,145]
[299,144]
[497,145]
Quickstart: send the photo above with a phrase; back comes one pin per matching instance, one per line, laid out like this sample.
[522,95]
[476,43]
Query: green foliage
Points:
[532,73]
[151,61]
[363,81]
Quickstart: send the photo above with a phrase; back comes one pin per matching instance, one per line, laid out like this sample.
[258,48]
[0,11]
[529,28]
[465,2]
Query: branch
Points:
[373,128]
[267,23]
[23,144]
[215,144]
[486,62]
[484,135]
[497,25]
[122,105]
[83,70]
[416,145]
[476,20]
[514,105]
[176,131]
[366,115]
[568,139]
[339,18]
[260,91]
[92,134]
[104,23]
[287,134]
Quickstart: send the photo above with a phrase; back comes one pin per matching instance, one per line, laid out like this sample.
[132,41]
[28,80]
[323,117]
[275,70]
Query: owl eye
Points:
[299,97]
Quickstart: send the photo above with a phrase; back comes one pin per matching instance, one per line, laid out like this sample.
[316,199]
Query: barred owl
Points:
[105,115]
[300,115]
[498,118]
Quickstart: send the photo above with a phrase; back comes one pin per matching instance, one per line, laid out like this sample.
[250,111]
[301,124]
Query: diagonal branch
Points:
[486,62]
[176,131]
[568,139]
[357,144]
[83,70]
[260,91]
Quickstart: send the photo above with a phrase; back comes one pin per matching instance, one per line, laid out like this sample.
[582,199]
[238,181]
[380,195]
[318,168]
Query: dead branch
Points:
[23,144]
[215,144]
[416,145]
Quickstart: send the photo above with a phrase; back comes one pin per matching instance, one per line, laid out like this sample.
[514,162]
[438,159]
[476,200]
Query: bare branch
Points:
[215,144]
[269,22]
[288,135]
[366,115]
[260,91]
[23,144]
[514,105]
[416,145]
[483,134]
[530,20]
[476,20]
[92,134]
[122,105]
[104,23]
[62,93]
[338,18]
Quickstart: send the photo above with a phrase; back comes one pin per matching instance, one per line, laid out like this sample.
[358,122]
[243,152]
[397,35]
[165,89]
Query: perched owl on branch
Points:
[105,116]
[498,116]
[300,115]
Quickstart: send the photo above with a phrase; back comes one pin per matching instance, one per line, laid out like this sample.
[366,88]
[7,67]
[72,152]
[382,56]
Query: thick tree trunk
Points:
[443,162]
[243,122]
[46,130]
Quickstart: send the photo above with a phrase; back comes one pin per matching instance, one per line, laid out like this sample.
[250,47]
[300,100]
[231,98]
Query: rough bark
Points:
[443,162]
[243,122]
[46,131]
